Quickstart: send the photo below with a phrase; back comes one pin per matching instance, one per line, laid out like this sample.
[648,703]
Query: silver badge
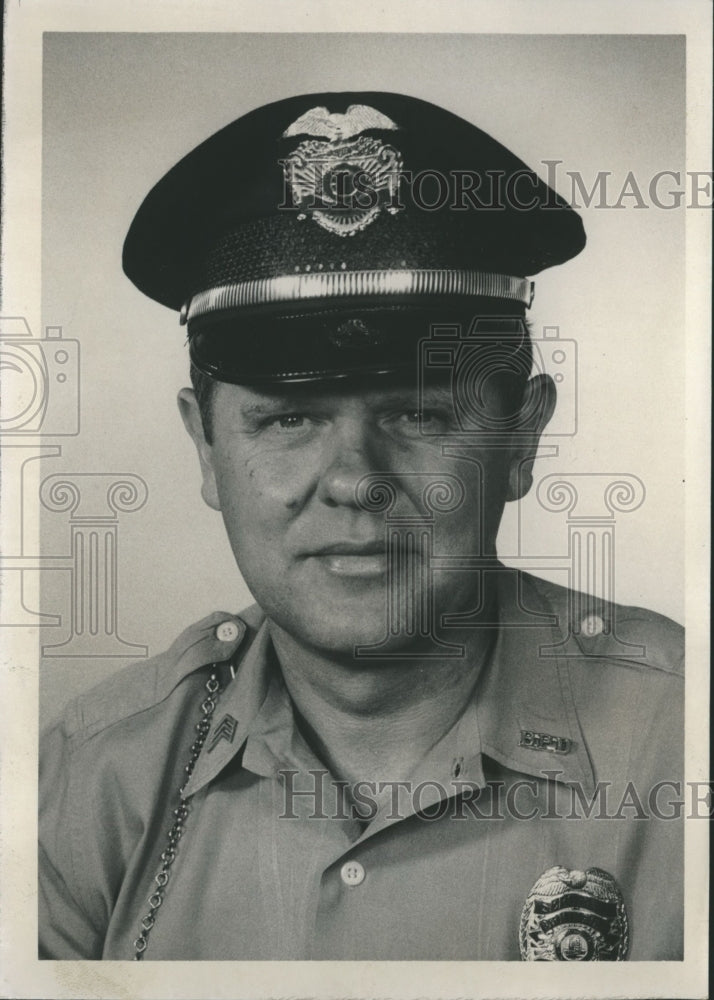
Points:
[574,916]
[342,179]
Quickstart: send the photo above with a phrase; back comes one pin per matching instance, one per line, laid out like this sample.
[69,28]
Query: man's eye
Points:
[290,421]
[428,420]
[415,416]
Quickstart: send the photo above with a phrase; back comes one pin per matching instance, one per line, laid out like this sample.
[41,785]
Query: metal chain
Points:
[168,856]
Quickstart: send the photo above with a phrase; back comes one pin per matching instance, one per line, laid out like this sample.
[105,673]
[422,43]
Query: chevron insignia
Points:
[225,730]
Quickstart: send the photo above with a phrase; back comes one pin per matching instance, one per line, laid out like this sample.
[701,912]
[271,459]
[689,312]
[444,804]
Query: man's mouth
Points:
[358,559]
[353,558]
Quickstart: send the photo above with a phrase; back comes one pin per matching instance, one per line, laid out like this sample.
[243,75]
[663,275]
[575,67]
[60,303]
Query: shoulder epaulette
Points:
[603,629]
[214,639]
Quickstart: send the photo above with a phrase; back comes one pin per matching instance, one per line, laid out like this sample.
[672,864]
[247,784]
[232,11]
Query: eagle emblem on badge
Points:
[574,916]
[339,177]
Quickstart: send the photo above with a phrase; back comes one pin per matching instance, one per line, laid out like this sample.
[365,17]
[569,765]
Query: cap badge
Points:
[574,916]
[354,334]
[339,177]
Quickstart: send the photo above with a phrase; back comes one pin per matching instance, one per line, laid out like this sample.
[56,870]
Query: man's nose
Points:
[351,452]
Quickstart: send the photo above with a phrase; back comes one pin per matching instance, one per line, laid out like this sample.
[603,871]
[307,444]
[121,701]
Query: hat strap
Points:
[357,284]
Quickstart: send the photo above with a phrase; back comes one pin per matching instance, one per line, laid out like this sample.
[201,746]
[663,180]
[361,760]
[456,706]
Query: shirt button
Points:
[592,625]
[227,632]
[352,873]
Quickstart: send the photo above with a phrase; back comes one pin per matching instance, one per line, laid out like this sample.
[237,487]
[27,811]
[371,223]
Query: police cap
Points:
[321,235]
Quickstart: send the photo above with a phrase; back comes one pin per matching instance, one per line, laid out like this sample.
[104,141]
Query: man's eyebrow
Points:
[439,392]
[415,396]
[407,396]
[258,409]
[268,404]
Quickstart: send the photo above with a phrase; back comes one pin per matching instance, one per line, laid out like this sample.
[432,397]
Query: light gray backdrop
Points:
[120,109]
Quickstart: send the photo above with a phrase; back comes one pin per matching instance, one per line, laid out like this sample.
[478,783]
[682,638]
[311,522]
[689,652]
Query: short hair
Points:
[204,387]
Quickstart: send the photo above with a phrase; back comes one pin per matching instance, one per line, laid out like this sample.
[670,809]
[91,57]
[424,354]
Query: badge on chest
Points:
[574,916]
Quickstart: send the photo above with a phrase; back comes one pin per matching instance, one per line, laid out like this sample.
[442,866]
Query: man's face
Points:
[287,469]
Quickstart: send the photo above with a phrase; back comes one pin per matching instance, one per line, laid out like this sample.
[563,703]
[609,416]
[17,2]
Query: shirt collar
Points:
[523,688]
[236,710]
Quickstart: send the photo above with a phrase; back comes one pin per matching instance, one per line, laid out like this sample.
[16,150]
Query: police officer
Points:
[404,750]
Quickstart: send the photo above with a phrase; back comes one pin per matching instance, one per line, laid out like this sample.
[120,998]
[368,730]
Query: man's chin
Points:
[354,622]
[344,639]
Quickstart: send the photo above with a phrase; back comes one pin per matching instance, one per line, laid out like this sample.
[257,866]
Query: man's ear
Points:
[191,416]
[539,399]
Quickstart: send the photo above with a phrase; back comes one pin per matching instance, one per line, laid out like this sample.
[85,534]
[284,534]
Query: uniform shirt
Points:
[263,872]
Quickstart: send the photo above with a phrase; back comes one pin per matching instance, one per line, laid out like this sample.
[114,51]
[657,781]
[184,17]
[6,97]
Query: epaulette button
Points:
[227,632]
[592,625]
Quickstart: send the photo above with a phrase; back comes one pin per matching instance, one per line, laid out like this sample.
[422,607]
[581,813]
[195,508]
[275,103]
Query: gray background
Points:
[120,109]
